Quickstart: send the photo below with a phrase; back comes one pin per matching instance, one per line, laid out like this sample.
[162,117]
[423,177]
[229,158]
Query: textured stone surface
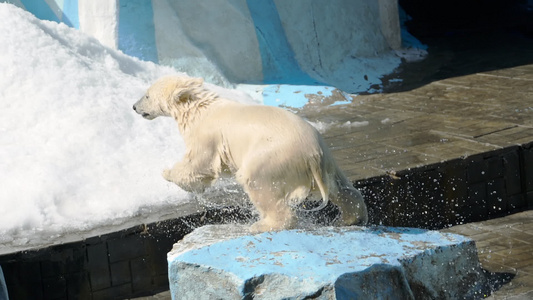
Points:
[505,246]
[3,287]
[226,261]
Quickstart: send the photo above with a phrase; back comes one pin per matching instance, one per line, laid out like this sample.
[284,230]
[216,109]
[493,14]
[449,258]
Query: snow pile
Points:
[73,153]
[412,49]
[322,127]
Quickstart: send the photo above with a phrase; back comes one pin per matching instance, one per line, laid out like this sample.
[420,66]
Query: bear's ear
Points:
[184,88]
[197,82]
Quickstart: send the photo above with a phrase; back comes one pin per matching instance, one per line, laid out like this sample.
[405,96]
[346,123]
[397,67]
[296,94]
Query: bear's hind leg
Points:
[352,206]
[274,213]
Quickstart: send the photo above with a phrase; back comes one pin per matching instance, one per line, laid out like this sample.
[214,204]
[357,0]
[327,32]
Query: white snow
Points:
[322,127]
[99,18]
[73,154]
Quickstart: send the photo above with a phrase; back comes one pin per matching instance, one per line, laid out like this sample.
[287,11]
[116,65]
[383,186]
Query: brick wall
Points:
[474,188]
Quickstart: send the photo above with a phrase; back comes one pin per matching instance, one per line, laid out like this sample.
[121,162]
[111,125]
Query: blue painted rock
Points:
[228,262]
[3,287]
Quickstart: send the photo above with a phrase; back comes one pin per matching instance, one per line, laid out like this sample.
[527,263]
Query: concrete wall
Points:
[65,11]
[344,43]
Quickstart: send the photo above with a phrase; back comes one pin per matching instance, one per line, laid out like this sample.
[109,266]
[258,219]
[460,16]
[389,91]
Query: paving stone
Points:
[476,113]
[504,245]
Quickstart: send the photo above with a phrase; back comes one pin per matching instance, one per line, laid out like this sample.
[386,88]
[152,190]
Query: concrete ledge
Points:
[226,261]
[124,264]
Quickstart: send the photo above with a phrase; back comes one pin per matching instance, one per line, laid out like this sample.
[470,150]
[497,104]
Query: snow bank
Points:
[73,153]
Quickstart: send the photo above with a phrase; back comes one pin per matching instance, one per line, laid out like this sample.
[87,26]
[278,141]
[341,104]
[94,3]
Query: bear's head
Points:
[166,95]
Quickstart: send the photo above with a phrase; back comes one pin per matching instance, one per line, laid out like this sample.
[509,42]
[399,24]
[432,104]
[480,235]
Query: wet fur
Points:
[277,157]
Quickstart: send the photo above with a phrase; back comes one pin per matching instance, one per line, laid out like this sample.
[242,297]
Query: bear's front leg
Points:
[188,179]
[166,175]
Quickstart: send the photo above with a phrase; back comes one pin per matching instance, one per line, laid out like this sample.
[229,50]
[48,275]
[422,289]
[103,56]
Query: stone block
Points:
[477,170]
[98,266]
[120,272]
[125,248]
[23,274]
[528,170]
[494,166]
[77,285]
[496,197]
[141,275]
[64,260]
[517,203]
[427,213]
[383,197]
[511,162]
[228,262]
[477,194]
[157,249]
[55,288]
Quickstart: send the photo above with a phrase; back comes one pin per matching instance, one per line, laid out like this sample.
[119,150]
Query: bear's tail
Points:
[318,175]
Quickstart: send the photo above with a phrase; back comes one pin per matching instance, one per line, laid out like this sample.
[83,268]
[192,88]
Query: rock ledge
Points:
[228,262]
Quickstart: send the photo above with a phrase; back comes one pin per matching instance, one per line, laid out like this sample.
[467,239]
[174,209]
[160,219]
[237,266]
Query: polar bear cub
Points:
[277,157]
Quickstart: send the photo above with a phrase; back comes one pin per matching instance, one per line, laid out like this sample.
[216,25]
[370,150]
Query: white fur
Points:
[277,157]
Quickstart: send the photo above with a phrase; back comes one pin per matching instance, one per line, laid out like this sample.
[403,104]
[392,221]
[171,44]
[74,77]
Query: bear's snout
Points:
[143,114]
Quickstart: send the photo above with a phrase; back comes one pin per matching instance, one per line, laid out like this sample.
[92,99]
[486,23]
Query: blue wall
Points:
[136,25]
[277,57]
[274,61]
[70,13]
[136,30]
[40,9]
